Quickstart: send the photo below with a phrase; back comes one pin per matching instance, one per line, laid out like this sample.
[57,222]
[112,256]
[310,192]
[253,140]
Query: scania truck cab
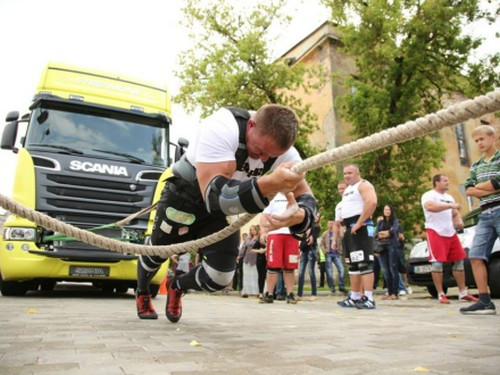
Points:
[96,150]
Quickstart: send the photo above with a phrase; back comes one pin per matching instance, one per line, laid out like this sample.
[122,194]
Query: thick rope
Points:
[457,113]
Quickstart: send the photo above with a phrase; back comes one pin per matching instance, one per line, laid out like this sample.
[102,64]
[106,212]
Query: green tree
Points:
[410,55]
[230,64]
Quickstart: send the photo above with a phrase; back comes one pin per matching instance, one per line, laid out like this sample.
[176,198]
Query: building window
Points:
[462,145]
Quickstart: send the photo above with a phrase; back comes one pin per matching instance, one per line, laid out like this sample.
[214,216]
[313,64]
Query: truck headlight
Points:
[20,234]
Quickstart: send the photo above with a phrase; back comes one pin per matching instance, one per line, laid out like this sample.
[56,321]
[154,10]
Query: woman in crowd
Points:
[260,249]
[387,240]
[250,275]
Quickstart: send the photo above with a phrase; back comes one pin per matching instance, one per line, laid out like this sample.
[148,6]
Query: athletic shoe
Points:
[479,308]
[348,302]
[365,303]
[267,298]
[468,298]
[173,309]
[290,298]
[343,290]
[403,292]
[280,297]
[145,309]
[444,300]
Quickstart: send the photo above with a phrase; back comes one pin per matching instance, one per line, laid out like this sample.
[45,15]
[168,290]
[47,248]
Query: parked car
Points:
[419,267]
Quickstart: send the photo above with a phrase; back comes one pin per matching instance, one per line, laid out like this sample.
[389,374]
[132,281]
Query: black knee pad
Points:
[151,263]
[212,280]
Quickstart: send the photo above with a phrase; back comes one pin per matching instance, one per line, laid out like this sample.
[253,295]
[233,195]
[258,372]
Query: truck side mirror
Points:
[9,136]
[12,116]
[183,143]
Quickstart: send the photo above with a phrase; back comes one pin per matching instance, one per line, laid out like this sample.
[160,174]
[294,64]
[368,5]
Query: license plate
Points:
[423,269]
[88,271]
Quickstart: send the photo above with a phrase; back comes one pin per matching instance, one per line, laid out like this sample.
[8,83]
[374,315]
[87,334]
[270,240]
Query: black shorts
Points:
[358,248]
[182,216]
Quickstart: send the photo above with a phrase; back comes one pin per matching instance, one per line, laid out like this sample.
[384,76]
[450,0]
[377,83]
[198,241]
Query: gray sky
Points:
[135,38]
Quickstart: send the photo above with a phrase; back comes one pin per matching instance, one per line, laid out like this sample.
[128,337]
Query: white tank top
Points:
[352,201]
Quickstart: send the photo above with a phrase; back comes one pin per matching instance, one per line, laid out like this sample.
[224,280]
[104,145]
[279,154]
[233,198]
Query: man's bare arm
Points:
[433,206]
[207,171]
[367,191]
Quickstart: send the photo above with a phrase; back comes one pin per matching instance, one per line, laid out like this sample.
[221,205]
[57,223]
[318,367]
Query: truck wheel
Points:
[47,285]
[13,288]
[433,291]
[121,288]
[494,278]
[153,288]
[108,289]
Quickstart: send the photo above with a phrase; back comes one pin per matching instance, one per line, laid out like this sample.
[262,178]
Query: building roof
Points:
[301,49]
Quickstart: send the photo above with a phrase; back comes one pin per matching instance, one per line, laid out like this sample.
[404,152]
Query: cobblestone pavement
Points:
[83,332]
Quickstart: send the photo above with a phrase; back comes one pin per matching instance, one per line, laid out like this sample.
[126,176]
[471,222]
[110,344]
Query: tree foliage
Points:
[230,64]
[410,56]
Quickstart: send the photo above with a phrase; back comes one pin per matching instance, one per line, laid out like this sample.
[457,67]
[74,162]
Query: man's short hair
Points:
[352,165]
[279,122]
[436,179]
[483,129]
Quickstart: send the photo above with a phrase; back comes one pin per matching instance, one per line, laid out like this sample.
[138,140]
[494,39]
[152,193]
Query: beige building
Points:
[322,47]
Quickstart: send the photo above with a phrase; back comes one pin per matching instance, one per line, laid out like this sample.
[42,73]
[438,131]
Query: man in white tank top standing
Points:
[358,204]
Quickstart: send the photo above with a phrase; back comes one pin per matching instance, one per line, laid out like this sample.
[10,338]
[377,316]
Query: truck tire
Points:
[433,291]
[13,288]
[47,285]
[154,289]
[494,278]
[121,288]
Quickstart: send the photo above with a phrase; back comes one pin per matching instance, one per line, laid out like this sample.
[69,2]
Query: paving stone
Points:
[82,332]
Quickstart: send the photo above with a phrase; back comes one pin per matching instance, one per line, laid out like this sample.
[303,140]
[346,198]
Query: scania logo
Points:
[86,166]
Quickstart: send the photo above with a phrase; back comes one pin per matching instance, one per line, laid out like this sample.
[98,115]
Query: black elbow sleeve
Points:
[225,197]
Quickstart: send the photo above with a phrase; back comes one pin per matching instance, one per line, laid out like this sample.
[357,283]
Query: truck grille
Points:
[90,200]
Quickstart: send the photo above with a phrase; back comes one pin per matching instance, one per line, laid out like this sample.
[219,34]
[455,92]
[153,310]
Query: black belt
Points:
[490,205]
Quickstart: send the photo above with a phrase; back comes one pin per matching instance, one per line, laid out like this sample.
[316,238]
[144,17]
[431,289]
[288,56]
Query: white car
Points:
[419,267]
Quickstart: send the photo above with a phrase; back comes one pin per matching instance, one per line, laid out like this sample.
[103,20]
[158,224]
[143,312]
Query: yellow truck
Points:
[96,149]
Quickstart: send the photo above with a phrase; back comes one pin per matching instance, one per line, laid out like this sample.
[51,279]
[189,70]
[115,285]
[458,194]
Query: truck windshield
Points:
[98,136]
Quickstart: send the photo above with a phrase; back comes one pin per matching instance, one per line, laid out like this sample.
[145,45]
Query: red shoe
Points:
[145,309]
[468,298]
[443,300]
[173,309]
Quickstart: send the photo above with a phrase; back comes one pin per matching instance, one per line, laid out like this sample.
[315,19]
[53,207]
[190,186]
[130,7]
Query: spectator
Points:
[441,215]
[260,249]
[250,274]
[358,204]
[321,268]
[387,240]
[280,290]
[282,250]
[238,275]
[484,183]
[308,254]
[328,247]
[338,235]
[376,264]
[404,287]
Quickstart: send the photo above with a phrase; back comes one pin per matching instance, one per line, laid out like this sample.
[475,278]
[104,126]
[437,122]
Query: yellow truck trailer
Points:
[96,150]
